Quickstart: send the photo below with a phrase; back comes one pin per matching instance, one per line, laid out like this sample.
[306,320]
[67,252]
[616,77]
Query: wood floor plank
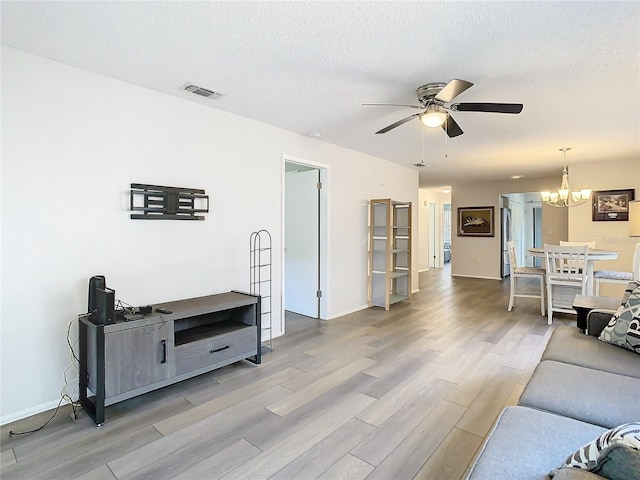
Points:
[123,420]
[486,407]
[184,419]
[396,372]
[526,353]
[514,396]
[101,473]
[320,366]
[242,377]
[315,461]
[472,382]
[349,338]
[512,338]
[375,448]
[218,424]
[222,462]
[82,459]
[408,458]
[451,458]
[454,371]
[7,458]
[313,390]
[452,342]
[202,446]
[281,454]
[274,428]
[348,467]
[82,438]
[395,399]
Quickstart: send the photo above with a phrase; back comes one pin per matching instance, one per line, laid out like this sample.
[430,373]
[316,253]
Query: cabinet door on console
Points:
[135,357]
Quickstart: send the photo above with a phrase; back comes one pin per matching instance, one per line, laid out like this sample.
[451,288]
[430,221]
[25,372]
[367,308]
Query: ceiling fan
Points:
[435,99]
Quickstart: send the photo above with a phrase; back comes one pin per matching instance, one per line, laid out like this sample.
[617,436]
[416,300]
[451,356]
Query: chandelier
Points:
[565,197]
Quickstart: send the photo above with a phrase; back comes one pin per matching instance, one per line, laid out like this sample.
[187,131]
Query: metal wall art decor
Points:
[156,202]
[611,205]
[475,222]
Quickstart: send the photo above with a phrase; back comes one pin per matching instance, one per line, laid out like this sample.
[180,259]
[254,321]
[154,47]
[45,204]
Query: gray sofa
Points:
[581,388]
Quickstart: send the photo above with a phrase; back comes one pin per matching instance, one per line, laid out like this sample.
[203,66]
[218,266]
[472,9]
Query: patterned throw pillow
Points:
[624,327]
[587,457]
[631,286]
[620,463]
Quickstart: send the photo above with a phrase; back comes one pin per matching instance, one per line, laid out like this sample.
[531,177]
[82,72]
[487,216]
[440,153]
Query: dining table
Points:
[593,255]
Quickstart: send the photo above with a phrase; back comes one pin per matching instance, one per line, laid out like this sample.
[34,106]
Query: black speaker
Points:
[95,283]
[105,306]
[101,301]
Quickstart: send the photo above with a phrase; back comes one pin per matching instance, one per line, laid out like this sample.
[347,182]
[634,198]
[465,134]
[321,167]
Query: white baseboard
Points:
[43,407]
[475,276]
[353,310]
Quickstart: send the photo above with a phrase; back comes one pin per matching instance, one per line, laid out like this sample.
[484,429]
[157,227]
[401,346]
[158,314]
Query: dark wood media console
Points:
[126,359]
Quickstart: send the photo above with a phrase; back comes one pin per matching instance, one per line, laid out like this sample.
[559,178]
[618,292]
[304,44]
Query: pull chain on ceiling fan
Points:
[421,164]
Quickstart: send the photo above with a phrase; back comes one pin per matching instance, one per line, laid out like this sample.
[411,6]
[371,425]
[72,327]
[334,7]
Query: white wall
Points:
[73,141]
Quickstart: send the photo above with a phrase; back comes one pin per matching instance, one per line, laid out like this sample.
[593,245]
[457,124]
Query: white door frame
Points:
[324,232]
[435,259]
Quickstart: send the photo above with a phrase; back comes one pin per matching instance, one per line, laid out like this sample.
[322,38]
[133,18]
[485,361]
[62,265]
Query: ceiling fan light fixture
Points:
[433,116]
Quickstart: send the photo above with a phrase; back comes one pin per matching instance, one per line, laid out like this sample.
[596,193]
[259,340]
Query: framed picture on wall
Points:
[475,222]
[611,205]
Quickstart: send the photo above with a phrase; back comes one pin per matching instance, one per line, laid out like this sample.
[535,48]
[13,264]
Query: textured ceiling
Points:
[308,66]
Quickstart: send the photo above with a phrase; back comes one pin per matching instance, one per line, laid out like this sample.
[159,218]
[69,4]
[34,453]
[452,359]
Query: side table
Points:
[583,304]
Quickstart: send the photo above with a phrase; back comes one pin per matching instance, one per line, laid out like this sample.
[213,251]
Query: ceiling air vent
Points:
[203,92]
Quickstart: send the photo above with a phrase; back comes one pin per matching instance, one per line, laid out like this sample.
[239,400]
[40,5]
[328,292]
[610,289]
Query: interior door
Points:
[517,223]
[537,233]
[302,242]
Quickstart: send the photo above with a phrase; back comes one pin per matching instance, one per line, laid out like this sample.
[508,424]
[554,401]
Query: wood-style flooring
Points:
[405,394]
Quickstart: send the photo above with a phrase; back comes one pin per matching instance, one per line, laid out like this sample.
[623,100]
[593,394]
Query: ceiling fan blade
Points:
[451,127]
[397,124]
[452,89]
[391,105]
[488,107]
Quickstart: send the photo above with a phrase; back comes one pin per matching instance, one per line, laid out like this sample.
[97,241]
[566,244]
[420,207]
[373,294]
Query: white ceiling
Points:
[308,66]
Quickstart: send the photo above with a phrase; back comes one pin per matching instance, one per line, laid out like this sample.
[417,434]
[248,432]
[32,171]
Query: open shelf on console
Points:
[212,324]
[208,330]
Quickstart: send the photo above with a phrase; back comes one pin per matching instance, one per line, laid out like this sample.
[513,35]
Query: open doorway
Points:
[304,258]
[446,234]
[525,224]
[537,232]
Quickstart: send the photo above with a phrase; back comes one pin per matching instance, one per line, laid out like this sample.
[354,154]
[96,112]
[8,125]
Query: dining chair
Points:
[577,244]
[613,276]
[574,244]
[523,272]
[566,277]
